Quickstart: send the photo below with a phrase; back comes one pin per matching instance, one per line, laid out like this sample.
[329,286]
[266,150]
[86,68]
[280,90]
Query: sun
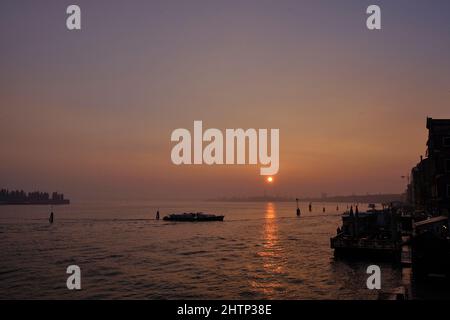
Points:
[269,179]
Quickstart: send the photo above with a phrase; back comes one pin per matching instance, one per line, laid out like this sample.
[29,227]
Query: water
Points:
[260,251]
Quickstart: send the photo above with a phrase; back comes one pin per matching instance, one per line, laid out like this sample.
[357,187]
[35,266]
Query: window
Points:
[446,141]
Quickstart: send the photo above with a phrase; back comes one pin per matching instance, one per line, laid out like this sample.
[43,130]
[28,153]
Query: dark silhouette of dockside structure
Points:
[370,233]
[416,232]
[422,220]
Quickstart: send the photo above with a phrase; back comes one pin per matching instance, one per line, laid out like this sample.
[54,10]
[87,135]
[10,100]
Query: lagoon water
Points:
[260,251]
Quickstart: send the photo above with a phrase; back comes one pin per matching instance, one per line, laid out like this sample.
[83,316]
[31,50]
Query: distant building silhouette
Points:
[36,197]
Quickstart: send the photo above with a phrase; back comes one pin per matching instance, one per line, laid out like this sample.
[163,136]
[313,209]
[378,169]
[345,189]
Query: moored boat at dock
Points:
[374,233]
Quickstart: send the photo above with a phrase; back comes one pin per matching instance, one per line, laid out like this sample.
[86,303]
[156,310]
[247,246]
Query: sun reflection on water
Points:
[271,254]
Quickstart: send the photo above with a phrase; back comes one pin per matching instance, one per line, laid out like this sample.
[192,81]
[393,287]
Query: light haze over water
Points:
[261,251]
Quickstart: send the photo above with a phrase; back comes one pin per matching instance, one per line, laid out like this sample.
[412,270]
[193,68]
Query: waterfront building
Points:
[429,188]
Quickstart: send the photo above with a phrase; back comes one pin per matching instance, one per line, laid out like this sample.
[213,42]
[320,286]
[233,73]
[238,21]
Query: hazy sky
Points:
[90,112]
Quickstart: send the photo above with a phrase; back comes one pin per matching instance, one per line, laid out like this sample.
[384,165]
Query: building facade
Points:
[429,189]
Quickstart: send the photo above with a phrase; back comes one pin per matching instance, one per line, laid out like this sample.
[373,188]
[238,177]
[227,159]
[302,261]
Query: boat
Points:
[193,217]
[373,233]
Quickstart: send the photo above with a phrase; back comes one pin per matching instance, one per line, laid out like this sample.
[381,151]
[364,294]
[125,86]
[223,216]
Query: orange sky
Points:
[91,113]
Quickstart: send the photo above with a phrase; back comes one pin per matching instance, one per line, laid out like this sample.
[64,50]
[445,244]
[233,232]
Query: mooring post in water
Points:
[310,207]
[157,214]
[298,209]
[51,218]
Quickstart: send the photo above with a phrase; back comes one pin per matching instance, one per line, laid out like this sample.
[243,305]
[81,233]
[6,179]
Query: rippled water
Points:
[260,251]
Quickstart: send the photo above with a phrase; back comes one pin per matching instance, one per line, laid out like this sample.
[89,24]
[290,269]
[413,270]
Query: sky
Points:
[90,113]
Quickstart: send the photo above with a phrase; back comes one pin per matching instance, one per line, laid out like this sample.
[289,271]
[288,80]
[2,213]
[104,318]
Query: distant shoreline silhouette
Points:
[20,197]
[368,198]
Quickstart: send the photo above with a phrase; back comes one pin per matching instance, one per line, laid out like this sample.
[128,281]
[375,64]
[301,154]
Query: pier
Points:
[415,232]
[371,233]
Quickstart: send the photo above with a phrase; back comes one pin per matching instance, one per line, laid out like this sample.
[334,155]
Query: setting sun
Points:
[269,179]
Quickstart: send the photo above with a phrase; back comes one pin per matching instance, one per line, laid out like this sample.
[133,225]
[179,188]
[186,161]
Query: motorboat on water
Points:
[193,217]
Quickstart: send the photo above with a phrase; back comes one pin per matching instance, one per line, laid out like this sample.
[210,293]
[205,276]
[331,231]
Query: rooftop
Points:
[442,122]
